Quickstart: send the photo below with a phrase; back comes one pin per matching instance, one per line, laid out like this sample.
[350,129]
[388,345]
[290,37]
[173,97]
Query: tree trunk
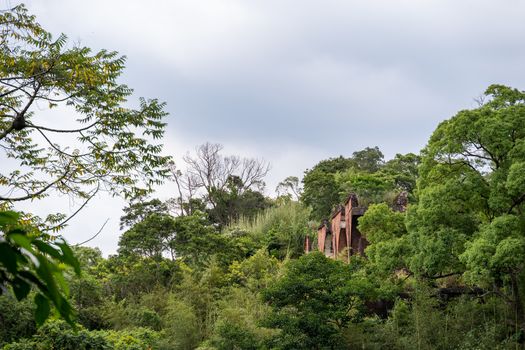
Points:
[518,309]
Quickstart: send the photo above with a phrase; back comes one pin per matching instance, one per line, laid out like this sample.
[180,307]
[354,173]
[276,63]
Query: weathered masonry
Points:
[339,237]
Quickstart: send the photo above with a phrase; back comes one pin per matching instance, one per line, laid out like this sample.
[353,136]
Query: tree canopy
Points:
[90,139]
[366,173]
[65,127]
[469,218]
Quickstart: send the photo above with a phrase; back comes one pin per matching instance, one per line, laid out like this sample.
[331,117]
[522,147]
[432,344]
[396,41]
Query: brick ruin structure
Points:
[339,237]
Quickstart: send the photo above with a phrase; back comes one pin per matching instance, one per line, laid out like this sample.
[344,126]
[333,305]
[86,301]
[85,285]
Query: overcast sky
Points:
[295,82]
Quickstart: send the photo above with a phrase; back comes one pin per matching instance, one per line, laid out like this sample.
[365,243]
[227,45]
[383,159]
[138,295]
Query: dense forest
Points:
[221,265]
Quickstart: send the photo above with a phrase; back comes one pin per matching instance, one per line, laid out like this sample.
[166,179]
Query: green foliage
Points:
[234,201]
[369,187]
[87,298]
[182,331]
[196,240]
[88,257]
[130,314]
[257,272]
[313,301]
[60,336]
[191,238]
[237,325]
[282,229]
[236,276]
[235,335]
[403,171]
[368,160]
[16,319]
[132,339]
[126,277]
[199,292]
[385,231]
[321,192]
[365,173]
[150,237]
[469,218]
[27,261]
[106,144]
[380,223]
[440,224]
[422,323]
[498,250]
[138,211]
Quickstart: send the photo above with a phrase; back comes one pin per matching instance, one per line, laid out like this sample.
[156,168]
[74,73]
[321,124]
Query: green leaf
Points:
[22,241]
[8,218]
[69,257]
[42,309]
[21,288]
[44,273]
[8,257]
[61,281]
[32,278]
[46,248]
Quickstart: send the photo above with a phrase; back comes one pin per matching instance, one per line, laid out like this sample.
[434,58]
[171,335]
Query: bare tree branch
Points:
[62,130]
[94,236]
[75,213]
[213,171]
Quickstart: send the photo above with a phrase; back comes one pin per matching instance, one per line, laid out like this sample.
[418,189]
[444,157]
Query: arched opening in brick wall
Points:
[328,249]
[343,244]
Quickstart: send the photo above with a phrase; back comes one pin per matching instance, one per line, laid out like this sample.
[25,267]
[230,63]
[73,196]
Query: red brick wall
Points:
[357,242]
[321,236]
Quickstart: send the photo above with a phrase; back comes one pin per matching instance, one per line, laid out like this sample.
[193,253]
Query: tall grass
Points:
[284,226]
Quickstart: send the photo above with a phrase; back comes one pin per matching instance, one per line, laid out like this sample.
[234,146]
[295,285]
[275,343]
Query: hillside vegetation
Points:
[221,265]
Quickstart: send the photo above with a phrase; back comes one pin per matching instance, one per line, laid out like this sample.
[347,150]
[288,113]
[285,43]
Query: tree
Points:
[289,187]
[188,184]
[233,203]
[196,240]
[329,182]
[129,276]
[386,232]
[321,191]
[403,170]
[369,159]
[150,237]
[238,322]
[58,335]
[370,187]
[226,187]
[138,211]
[17,319]
[313,302]
[106,146]
[182,331]
[470,215]
[213,171]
